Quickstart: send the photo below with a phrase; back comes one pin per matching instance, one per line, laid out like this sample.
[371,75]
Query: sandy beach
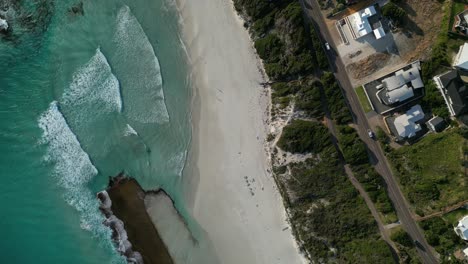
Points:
[231,193]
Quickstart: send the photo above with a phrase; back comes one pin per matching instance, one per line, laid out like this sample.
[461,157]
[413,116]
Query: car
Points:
[370,133]
[419,245]
[327,45]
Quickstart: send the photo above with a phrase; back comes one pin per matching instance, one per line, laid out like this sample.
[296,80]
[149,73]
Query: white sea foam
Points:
[177,162]
[130,131]
[73,169]
[142,89]
[94,83]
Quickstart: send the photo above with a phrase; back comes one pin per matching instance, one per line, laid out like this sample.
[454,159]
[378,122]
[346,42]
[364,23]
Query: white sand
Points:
[235,199]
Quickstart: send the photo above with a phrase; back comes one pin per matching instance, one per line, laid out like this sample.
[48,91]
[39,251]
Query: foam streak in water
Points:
[142,87]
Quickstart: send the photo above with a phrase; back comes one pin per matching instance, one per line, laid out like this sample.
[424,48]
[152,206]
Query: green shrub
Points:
[354,150]
[320,56]
[304,136]
[401,237]
[309,100]
[269,48]
[262,25]
[394,12]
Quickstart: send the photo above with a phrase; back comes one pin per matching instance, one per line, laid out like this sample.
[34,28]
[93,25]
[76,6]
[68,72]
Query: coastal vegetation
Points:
[405,246]
[440,235]
[329,218]
[431,170]
[304,136]
[327,213]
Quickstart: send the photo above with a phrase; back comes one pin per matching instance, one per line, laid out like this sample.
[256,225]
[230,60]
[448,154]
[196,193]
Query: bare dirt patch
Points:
[421,26]
[368,65]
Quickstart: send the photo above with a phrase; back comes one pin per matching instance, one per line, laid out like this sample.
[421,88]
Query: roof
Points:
[394,81]
[359,22]
[406,125]
[379,32]
[456,90]
[399,95]
[437,123]
[461,60]
[462,228]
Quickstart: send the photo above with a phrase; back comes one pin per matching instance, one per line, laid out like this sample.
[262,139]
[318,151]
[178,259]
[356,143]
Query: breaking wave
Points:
[94,85]
[129,131]
[73,169]
[142,90]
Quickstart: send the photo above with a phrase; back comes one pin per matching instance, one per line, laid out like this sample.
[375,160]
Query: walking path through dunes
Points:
[235,199]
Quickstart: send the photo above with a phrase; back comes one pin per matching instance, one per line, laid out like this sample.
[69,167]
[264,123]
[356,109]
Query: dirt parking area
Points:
[368,58]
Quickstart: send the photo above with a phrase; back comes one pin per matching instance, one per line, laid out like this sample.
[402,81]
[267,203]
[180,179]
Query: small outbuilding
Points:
[436,124]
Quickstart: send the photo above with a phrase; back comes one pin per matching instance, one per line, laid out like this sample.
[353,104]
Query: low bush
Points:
[269,48]
[309,100]
[394,12]
[401,237]
[304,136]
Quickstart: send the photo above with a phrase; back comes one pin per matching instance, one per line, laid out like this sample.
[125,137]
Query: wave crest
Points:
[142,87]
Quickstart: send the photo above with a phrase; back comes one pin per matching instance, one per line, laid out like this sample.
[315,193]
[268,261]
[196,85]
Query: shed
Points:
[436,124]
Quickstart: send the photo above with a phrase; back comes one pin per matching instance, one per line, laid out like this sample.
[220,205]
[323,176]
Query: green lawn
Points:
[455,216]
[363,99]
[431,172]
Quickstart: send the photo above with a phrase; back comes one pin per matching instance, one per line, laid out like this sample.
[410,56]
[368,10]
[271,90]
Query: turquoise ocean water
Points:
[83,98]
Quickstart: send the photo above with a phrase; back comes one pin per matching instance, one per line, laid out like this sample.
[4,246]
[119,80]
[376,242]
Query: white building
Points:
[400,86]
[461,60]
[462,228]
[360,25]
[406,125]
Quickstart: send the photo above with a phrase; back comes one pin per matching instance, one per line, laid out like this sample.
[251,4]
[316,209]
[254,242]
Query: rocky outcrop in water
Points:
[133,232]
[119,235]
[3,25]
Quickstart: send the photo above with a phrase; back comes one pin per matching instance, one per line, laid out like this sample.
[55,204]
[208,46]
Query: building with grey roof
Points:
[454,91]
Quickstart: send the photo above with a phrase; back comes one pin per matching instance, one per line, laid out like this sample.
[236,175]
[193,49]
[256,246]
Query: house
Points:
[461,25]
[461,60]
[406,125]
[462,228]
[454,91]
[364,22]
[436,124]
[400,86]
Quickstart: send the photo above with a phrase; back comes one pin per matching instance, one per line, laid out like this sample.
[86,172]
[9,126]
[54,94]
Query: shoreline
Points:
[230,189]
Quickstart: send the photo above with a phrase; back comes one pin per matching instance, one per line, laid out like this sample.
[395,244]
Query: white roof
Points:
[400,94]
[379,33]
[461,60]
[417,83]
[406,124]
[462,228]
[394,81]
[359,23]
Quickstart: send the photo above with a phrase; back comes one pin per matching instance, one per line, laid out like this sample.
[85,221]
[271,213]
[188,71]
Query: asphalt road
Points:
[378,158]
